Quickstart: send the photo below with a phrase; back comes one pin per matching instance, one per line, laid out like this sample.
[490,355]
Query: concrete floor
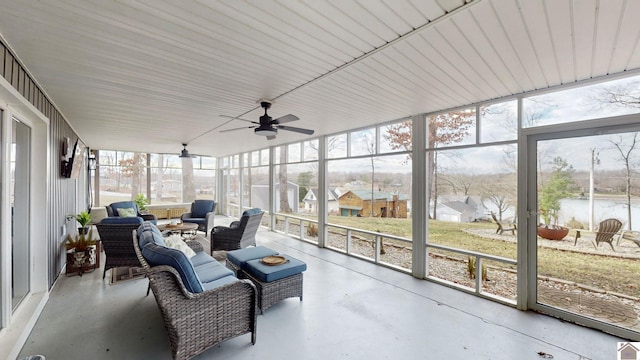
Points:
[352,309]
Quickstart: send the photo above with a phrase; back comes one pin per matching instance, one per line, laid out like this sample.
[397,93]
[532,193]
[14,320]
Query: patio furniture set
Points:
[202,301]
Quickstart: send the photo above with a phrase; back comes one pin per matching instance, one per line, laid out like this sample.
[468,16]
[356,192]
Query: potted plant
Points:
[81,255]
[554,190]
[141,201]
[84,218]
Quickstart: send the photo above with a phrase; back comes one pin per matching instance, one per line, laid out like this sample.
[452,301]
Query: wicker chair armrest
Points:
[224,230]
[148,217]
[209,218]
[234,225]
[195,245]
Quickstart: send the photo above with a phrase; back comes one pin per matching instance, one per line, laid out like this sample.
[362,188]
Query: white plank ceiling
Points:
[148,75]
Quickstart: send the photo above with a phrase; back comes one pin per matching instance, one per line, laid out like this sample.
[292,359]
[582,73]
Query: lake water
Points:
[603,209]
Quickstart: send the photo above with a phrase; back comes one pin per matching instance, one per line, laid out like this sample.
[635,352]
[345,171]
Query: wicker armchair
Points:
[113,208]
[239,234]
[115,234]
[197,321]
[202,213]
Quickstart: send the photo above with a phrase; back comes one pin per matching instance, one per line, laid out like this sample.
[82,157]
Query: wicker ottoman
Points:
[237,259]
[274,283]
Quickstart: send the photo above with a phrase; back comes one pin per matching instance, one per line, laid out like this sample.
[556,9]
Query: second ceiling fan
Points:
[269,127]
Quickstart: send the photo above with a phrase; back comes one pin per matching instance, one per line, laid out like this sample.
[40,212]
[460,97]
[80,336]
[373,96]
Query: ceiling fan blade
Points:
[285,119]
[237,118]
[271,137]
[295,129]
[240,128]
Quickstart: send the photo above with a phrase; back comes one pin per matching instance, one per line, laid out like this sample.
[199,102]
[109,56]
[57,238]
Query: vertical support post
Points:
[478,271]
[420,204]
[322,200]
[594,160]
[348,241]
[272,181]
[377,248]
[286,225]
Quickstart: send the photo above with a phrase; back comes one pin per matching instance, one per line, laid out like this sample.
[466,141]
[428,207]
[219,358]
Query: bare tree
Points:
[499,194]
[188,184]
[160,177]
[444,129]
[626,151]
[536,109]
[282,181]
[625,96]
[133,168]
[371,149]
[619,96]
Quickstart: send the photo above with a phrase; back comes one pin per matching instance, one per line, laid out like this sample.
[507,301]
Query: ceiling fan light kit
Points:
[267,126]
[268,131]
[184,153]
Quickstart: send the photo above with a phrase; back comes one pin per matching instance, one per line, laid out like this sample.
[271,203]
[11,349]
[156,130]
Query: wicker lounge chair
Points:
[239,234]
[115,234]
[197,321]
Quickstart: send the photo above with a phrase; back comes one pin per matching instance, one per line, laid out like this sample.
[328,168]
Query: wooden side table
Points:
[88,266]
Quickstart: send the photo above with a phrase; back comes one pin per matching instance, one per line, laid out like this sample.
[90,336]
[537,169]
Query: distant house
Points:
[260,196]
[311,200]
[628,352]
[459,209]
[361,203]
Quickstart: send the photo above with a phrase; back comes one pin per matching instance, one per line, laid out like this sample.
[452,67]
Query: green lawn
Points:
[609,273]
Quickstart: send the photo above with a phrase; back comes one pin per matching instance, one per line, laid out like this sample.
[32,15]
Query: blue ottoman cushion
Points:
[241,256]
[268,273]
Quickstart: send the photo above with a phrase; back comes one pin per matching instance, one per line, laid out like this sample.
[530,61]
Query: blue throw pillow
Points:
[147,233]
[160,255]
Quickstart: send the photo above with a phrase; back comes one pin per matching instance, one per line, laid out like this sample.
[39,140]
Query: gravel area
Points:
[502,282]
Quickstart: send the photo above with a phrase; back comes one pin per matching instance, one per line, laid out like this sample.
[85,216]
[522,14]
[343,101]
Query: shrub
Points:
[574,224]
[141,201]
[471,269]
[312,230]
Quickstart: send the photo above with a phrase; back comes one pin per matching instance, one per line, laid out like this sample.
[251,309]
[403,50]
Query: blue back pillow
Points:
[160,255]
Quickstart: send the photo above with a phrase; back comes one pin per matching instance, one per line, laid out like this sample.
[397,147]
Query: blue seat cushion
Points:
[160,255]
[220,282]
[268,273]
[122,220]
[211,271]
[201,258]
[194,220]
[241,256]
[200,208]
